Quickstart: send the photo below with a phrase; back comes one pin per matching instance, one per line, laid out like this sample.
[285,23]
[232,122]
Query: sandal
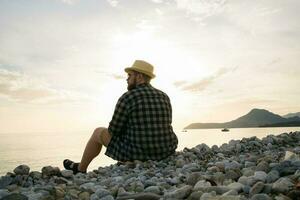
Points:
[70,165]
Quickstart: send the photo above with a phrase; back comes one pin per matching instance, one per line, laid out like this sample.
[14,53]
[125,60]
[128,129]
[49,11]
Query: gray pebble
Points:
[272,176]
[5,181]
[260,197]
[22,170]
[282,185]
[180,192]
[256,188]
[260,176]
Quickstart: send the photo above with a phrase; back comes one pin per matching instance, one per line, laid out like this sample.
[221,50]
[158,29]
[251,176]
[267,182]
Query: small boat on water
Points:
[184,130]
[225,130]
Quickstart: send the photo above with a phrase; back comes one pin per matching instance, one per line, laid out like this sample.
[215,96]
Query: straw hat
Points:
[142,67]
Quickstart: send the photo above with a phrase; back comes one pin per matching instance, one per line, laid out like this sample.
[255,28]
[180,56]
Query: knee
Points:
[97,133]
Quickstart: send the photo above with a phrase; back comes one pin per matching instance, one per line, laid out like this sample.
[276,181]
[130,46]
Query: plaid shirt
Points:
[141,126]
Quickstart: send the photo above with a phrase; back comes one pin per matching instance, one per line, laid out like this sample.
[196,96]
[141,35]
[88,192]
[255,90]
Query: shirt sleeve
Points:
[118,123]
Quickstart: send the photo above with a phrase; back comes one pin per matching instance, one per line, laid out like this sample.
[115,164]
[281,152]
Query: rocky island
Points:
[251,168]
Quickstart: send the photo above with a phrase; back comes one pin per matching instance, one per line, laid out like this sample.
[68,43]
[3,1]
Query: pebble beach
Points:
[250,168]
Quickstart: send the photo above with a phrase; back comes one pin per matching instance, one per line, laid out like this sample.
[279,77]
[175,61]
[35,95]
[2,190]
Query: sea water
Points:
[48,148]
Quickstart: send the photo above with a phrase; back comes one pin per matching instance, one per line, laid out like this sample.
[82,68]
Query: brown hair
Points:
[146,78]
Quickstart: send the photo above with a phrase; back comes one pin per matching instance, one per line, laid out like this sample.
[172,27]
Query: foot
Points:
[70,165]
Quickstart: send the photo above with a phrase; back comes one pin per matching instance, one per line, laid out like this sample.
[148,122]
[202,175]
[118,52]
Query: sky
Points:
[62,61]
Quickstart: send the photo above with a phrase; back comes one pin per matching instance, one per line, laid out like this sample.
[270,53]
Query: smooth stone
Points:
[80,181]
[267,188]
[15,196]
[234,165]
[220,165]
[247,172]
[260,197]
[233,174]
[102,192]
[35,175]
[122,192]
[153,189]
[12,187]
[67,173]
[92,175]
[260,176]
[230,193]
[272,165]
[269,146]
[243,180]
[236,186]
[217,189]
[228,197]
[118,179]
[140,196]
[294,194]
[272,176]
[180,193]
[249,164]
[282,197]
[61,180]
[195,195]
[90,187]
[5,181]
[256,188]
[218,178]
[201,184]
[108,197]
[213,169]
[291,156]
[59,192]
[94,197]
[251,181]
[50,171]
[246,189]
[73,193]
[207,196]
[36,196]
[286,168]
[84,196]
[282,185]
[193,178]
[3,192]
[263,166]
[190,166]
[215,148]
[173,181]
[22,170]
[180,163]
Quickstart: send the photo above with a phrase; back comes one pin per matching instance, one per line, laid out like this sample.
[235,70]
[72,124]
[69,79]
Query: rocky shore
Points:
[251,168]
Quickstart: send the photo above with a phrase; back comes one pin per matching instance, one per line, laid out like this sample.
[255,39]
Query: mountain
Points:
[255,118]
[292,115]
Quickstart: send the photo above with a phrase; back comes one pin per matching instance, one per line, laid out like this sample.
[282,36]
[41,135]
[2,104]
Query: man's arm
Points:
[118,122]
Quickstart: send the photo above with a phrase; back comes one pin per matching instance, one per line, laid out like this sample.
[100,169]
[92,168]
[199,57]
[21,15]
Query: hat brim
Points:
[128,69]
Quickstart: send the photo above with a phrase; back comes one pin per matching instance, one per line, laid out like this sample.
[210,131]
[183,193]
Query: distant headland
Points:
[255,118]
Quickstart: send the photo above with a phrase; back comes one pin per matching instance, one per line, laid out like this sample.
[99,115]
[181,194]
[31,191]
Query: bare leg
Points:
[93,147]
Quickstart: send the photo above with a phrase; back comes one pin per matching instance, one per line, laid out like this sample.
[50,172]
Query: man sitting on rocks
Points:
[140,128]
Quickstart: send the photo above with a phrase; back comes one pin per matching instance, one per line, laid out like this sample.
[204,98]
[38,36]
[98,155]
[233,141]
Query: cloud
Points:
[111,75]
[22,88]
[70,2]
[201,8]
[113,3]
[157,1]
[203,83]
[267,11]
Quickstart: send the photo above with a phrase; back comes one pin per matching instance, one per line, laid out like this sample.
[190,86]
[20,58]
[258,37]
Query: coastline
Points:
[249,168]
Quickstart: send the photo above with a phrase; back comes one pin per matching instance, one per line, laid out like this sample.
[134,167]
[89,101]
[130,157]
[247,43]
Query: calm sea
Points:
[42,149]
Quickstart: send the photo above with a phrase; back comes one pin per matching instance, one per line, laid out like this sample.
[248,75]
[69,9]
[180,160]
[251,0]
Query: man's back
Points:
[141,126]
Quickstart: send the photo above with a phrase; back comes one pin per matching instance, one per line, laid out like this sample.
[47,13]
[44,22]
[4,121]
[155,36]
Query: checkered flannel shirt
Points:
[141,126]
